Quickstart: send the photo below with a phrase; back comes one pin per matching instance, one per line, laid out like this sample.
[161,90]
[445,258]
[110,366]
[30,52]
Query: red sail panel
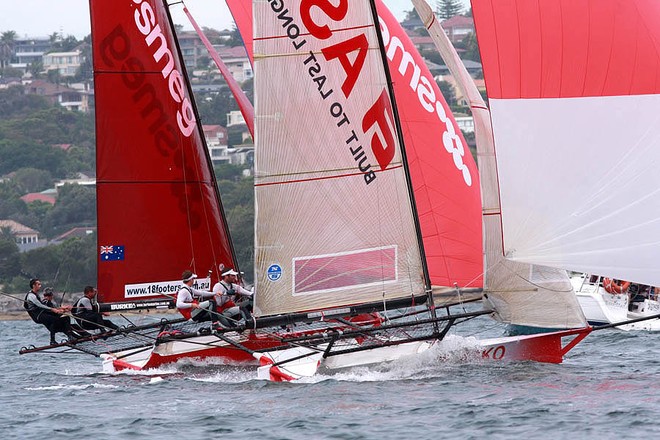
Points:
[444,174]
[572,48]
[156,194]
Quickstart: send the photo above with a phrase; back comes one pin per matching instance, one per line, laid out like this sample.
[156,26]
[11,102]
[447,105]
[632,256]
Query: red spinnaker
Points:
[579,48]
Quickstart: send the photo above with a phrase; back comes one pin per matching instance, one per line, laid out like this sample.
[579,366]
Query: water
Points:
[608,388]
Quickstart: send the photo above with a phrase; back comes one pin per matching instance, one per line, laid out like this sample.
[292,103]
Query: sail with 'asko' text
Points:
[334,218]
[159,212]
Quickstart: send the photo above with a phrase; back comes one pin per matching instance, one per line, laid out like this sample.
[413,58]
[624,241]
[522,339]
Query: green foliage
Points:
[17,154]
[238,204]
[10,201]
[235,38]
[226,171]
[10,261]
[30,180]
[471,48]
[213,108]
[448,92]
[66,267]
[445,9]
[15,103]
[76,205]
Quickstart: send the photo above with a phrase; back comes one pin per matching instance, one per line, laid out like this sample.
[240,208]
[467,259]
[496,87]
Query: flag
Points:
[112,253]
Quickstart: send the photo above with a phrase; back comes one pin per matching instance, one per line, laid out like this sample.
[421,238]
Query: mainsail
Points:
[522,294]
[159,211]
[576,131]
[334,218]
[444,176]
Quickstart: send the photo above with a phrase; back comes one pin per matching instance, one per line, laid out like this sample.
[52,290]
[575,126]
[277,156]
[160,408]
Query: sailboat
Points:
[338,227]
[562,106]
[362,224]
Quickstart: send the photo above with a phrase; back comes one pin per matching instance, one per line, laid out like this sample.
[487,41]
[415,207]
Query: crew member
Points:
[86,312]
[53,318]
[233,298]
[187,303]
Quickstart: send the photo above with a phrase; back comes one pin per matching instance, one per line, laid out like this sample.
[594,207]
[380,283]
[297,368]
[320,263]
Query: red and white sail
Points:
[334,221]
[444,176]
[159,212]
[522,294]
[574,88]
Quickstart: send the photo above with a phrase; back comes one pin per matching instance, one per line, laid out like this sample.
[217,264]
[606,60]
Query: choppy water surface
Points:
[609,387]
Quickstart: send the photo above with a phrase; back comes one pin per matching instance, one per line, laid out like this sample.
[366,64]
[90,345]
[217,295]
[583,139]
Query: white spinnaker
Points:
[601,213]
[324,236]
[521,293]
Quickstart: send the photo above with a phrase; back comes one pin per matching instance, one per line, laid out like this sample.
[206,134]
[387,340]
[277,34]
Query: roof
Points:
[75,232]
[457,21]
[232,52]
[45,88]
[213,129]
[16,228]
[38,197]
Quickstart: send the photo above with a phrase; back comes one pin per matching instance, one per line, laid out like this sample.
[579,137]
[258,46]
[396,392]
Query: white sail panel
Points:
[334,224]
[579,184]
[521,294]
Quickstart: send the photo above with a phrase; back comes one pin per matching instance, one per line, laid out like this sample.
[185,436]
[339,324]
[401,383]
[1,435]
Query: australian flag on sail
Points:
[112,253]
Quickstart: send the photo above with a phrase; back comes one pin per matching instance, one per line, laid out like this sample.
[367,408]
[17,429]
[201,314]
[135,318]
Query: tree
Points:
[7,43]
[448,92]
[448,8]
[471,48]
[30,180]
[412,15]
[10,262]
[76,205]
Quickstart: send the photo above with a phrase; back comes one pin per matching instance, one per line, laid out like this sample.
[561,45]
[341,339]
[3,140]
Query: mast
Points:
[399,132]
[209,162]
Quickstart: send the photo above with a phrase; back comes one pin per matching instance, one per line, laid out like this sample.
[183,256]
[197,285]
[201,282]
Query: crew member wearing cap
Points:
[53,318]
[186,300]
[230,293]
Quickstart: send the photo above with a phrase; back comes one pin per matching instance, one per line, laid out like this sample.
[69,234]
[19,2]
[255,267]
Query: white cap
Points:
[229,272]
[191,277]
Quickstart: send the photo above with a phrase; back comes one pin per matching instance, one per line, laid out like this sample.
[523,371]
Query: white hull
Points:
[601,307]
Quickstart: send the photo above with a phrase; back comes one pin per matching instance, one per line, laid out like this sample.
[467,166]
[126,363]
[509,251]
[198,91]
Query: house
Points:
[65,63]
[68,98]
[26,238]
[29,51]
[216,141]
[458,27]
[237,62]
[465,123]
[422,42]
[81,180]
[191,47]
